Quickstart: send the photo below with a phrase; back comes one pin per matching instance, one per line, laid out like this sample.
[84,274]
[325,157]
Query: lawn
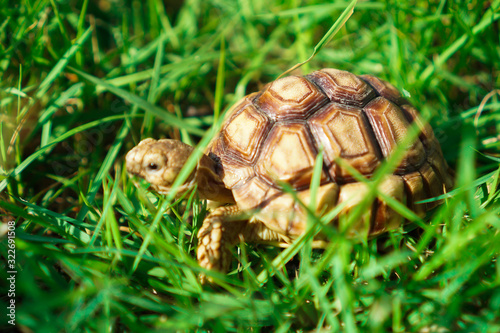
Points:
[84,81]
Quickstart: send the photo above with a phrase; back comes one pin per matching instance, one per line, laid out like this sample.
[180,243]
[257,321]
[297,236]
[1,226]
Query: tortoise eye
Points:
[152,166]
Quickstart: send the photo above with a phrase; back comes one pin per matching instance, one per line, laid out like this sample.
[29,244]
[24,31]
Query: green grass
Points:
[84,81]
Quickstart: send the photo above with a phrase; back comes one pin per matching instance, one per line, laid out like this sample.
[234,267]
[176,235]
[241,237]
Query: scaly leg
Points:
[222,229]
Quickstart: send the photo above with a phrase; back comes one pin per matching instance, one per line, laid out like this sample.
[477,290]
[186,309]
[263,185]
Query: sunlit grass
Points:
[83,82]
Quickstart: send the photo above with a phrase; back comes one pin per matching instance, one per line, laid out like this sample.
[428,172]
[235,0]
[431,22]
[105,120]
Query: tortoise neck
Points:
[210,184]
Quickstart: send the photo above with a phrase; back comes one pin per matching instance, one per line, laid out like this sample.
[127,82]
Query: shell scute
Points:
[384,89]
[291,97]
[245,132]
[391,127]
[288,155]
[251,194]
[343,131]
[342,87]
[415,191]
[287,216]
[432,184]
[380,217]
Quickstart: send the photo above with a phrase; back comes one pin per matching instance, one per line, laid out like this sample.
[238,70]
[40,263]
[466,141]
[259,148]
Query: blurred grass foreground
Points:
[84,80]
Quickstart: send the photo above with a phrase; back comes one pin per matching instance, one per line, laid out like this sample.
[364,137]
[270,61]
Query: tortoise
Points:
[272,137]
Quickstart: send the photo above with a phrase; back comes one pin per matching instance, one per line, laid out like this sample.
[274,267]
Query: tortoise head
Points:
[159,162]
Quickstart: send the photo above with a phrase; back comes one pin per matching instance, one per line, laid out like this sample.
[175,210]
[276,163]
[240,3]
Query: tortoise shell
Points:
[274,136]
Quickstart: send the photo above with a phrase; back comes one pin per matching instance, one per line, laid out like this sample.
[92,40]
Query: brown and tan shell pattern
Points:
[274,136]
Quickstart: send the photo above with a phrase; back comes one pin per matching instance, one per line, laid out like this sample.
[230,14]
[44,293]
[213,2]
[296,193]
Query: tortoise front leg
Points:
[219,232]
[222,229]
